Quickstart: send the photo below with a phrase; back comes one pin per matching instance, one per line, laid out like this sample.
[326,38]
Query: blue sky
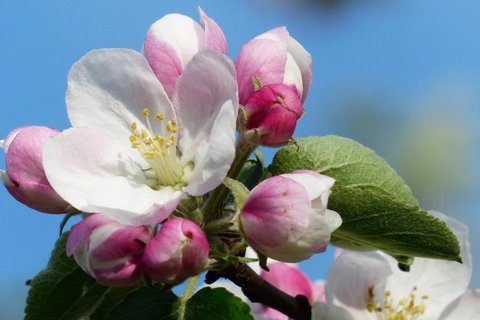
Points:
[403,57]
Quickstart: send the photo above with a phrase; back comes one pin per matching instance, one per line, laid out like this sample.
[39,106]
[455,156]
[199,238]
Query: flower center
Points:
[160,151]
[409,308]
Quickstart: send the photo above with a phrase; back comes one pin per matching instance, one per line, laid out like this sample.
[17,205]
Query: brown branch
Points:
[259,290]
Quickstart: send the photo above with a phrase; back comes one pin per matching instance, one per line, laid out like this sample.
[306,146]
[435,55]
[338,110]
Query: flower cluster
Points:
[153,137]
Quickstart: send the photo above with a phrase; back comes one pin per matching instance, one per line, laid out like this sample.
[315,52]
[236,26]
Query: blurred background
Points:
[400,76]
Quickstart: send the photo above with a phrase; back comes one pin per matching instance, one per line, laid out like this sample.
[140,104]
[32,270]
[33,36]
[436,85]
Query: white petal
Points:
[206,106]
[304,62]
[214,153]
[109,88]
[443,281]
[466,307]
[350,279]
[93,173]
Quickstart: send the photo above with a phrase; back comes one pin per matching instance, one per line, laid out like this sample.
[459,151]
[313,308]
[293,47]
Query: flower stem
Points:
[187,294]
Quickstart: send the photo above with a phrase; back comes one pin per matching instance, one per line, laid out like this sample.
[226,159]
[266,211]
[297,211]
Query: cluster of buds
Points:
[178,124]
[119,255]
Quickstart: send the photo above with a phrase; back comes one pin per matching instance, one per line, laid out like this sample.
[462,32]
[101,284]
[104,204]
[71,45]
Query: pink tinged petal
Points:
[318,186]
[206,106]
[182,33]
[25,177]
[318,290]
[304,63]
[275,213]
[264,59]
[81,232]
[108,89]
[178,251]
[95,174]
[299,61]
[466,307]
[290,279]
[5,144]
[163,60]
[123,275]
[274,111]
[214,36]
[115,254]
[124,242]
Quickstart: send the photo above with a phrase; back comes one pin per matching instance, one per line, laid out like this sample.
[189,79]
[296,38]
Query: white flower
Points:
[133,153]
[369,285]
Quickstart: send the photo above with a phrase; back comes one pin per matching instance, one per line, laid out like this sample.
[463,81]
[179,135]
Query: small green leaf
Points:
[377,208]
[216,304]
[62,290]
[239,191]
[252,172]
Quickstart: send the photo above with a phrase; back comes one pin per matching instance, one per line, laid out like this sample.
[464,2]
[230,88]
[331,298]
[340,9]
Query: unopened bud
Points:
[108,251]
[25,177]
[179,250]
[273,111]
[286,217]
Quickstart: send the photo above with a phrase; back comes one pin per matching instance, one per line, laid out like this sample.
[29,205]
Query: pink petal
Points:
[263,58]
[214,36]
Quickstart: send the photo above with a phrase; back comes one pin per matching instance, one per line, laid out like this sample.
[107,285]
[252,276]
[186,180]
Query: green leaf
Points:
[216,304]
[113,298]
[62,290]
[377,208]
[146,304]
[155,304]
[252,172]
[239,191]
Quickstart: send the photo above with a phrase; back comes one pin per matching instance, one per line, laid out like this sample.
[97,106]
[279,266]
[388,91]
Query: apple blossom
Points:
[179,250]
[273,58]
[172,41]
[286,218]
[273,111]
[133,153]
[107,250]
[24,177]
[369,285]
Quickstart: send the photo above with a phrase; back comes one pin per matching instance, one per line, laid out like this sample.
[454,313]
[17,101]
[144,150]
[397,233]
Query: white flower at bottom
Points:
[133,153]
[369,285]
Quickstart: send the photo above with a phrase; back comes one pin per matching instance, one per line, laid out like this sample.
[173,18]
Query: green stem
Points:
[245,146]
[187,294]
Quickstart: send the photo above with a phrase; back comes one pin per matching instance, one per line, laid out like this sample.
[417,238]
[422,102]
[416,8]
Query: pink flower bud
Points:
[172,41]
[286,217]
[24,177]
[107,250]
[274,111]
[178,251]
[290,279]
[273,57]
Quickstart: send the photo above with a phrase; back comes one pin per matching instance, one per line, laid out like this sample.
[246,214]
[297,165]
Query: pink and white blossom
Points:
[24,177]
[273,57]
[286,217]
[369,285]
[172,41]
[107,250]
[133,153]
[178,251]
